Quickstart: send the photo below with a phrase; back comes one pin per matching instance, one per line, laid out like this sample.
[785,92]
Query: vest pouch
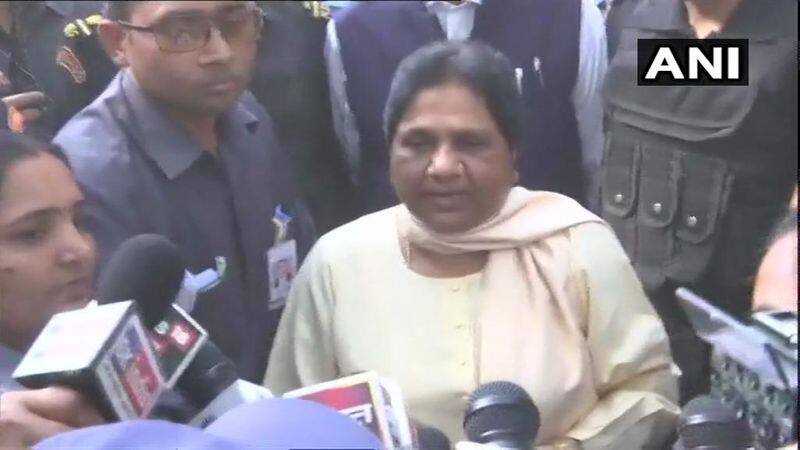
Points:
[686,113]
[703,202]
[656,211]
[620,174]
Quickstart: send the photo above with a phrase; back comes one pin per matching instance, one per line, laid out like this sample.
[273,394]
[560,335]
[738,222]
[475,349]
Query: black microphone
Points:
[107,351]
[708,424]
[148,269]
[430,438]
[103,352]
[503,414]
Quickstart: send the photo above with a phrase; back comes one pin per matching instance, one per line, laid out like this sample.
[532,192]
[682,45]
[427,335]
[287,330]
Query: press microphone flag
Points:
[103,352]
[373,401]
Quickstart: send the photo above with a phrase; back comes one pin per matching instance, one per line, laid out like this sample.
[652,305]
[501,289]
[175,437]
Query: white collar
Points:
[437,3]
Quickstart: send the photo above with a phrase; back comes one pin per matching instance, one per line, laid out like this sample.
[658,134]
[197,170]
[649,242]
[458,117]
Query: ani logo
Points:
[694,62]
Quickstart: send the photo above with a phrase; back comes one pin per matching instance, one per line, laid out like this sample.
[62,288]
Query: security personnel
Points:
[694,176]
[51,64]
[176,146]
[290,81]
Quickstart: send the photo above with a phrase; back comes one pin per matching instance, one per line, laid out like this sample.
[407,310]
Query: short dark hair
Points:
[485,70]
[15,147]
[119,10]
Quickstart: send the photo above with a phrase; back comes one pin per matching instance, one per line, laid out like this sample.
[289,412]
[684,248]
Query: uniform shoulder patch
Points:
[67,59]
[318,9]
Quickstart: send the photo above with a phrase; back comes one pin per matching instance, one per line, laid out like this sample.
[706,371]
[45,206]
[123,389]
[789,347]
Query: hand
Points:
[27,417]
[24,109]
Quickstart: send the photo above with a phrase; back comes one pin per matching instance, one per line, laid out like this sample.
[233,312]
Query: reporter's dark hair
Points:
[15,147]
[485,70]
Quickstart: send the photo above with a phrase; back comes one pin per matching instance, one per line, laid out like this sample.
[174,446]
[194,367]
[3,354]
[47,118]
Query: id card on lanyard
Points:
[281,261]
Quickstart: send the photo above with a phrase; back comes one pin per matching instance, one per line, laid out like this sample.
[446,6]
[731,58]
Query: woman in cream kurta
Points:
[554,307]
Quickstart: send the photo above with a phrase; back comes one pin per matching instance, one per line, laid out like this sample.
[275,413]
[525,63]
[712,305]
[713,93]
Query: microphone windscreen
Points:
[707,422]
[501,411]
[146,268]
[283,423]
[430,438]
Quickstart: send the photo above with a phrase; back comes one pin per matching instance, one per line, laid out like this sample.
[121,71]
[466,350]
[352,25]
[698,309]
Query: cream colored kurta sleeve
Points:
[632,366]
[303,351]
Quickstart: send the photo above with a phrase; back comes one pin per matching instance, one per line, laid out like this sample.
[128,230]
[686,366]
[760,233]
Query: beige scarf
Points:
[527,281]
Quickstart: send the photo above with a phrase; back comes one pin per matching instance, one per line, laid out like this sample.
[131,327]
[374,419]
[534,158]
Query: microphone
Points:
[146,268]
[708,424]
[212,383]
[430,438]
[503,414]
[108,351]
[373,401]
[103,352]
[149,269]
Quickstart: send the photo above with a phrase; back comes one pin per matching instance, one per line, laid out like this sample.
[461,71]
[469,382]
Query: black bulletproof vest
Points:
[694,176]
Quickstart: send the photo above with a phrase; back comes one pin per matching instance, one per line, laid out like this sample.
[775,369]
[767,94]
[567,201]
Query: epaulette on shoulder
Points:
[82,27]
[318,10]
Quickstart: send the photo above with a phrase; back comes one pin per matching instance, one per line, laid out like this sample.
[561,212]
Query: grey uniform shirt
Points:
[141,173]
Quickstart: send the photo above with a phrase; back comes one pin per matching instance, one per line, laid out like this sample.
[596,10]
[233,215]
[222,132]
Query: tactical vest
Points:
[539,36]
[694,176]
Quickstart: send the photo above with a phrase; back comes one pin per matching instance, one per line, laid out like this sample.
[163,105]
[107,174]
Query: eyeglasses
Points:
[180,34]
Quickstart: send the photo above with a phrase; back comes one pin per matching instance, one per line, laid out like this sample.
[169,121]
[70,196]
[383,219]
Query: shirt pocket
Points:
[704,194]
[656,210]
[619,189]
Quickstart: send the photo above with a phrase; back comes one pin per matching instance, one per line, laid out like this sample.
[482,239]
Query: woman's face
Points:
[46,257]
[449,162]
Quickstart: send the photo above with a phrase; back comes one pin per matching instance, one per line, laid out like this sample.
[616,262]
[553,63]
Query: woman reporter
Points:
[46,265]
[472,280]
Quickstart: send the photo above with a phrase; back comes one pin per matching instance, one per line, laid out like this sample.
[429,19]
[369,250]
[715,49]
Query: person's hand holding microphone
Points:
[29,416]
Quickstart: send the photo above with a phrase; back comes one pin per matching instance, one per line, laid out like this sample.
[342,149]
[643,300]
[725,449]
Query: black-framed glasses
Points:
[187,33]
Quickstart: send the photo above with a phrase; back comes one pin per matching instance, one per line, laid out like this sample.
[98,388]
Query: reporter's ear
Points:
[112,36]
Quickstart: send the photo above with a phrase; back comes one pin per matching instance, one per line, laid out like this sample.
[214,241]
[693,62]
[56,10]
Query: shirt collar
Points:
[431,5]
[665,15]
[165,142]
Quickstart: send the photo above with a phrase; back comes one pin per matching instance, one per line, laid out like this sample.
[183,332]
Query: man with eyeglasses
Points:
[175,146]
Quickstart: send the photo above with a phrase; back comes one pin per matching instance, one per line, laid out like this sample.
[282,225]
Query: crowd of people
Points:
[445,192]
